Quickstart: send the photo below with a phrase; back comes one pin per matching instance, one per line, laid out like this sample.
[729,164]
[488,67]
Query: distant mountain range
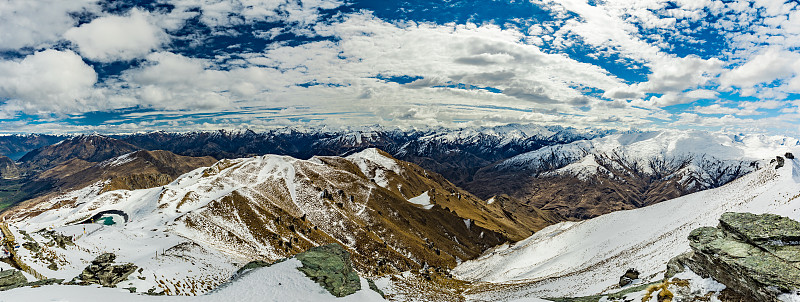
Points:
[189,208]
[578,174]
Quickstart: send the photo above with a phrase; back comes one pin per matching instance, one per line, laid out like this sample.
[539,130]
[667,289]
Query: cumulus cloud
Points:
[38,23]
[670,99]
[47,83]
[115,38]
[459,72]
[773,64]
[227,13]
[719,109]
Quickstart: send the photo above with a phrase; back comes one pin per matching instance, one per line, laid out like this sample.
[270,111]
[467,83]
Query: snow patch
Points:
[375,165]
[119,160]
[790,297]
[423,199]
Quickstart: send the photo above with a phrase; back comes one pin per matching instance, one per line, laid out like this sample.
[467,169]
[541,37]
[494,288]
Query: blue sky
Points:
[181,65]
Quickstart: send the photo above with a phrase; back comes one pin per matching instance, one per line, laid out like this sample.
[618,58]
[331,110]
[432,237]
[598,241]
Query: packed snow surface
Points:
[280,282]
[558,260]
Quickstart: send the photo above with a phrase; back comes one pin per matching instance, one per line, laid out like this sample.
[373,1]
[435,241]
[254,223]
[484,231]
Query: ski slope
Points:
[585,258]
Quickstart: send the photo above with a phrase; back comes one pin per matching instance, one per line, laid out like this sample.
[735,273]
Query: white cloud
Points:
[719,109]
[674,98]
[773,64]
[115,38]
[337,80]
[226,13]
[38,23]
[47,82]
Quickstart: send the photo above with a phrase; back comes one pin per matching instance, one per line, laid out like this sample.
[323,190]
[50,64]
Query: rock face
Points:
[102,272]
[757,256]
[11,279]
[329,265]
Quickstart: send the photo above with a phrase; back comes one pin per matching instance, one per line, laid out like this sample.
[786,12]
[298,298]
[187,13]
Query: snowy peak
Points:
[375,164]
[626,170]
[270,207]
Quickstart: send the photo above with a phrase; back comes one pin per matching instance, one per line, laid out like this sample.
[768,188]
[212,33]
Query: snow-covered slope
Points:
[587,257]
[188,236]
[642,147]
[280,282]
[624,171]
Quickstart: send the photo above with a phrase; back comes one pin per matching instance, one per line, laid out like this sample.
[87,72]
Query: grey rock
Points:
[11,279]
[103,272]
[105,258]
[780,161]
[757,256]
[329,265]
[678,264]
[630,275]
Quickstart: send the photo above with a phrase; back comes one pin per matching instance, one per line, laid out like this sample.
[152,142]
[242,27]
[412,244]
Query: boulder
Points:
[103,272]
[11,278]
[789,155]
[757,256]
[780,161]
[329,265]
[628,277]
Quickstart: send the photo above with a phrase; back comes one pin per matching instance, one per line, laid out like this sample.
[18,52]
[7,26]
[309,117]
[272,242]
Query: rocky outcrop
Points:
[57,239]
[329,265]
[757,256]
[779,161]
[628,277]
[103,272]
[12,279]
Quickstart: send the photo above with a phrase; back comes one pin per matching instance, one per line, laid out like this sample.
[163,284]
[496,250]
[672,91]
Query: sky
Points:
[182,65]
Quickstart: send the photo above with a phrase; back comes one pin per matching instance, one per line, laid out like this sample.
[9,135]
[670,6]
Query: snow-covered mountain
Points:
[587,257]
[454,153]
[189,235]
[626,170]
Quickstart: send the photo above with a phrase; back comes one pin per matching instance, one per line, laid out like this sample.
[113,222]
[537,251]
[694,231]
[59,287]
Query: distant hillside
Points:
[16,146]
[83,160]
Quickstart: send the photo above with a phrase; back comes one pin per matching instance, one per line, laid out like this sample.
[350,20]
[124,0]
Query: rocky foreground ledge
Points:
[757,256]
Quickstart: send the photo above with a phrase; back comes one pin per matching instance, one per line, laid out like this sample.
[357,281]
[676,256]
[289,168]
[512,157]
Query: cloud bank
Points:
[179,64]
